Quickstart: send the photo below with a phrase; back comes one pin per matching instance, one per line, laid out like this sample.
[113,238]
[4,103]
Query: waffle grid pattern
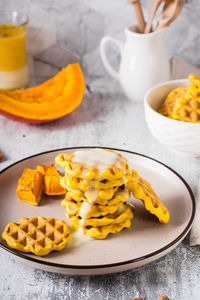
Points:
[37,235]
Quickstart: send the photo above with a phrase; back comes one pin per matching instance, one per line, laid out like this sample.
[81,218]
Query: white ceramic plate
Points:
[146,240]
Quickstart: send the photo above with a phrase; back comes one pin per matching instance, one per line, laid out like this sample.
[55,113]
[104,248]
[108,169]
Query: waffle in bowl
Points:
[37,235]
[183,103]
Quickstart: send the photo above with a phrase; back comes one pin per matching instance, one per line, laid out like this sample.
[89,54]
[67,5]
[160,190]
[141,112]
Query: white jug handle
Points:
[105,40]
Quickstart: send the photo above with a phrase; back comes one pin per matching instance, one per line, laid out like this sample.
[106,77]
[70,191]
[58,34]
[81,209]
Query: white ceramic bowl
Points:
[180,136]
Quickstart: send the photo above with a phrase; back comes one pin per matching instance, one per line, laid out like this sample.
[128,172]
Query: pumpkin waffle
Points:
[95,196]
[187,109]
[183,103]
[168,105]
[73,164]
[101,232]
[119,216]
[194,80]
[73,207]
[83,185]
[104,197]
[37,235]
[98,188]
[142,190]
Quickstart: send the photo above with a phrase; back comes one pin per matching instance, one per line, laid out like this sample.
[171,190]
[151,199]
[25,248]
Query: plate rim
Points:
[111,265]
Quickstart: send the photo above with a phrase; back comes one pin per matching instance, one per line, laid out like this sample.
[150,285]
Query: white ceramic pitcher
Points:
[144,61]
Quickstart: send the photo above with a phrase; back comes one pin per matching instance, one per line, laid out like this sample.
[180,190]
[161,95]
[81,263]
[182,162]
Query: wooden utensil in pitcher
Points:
[139,14]
[171,11]
[154,5]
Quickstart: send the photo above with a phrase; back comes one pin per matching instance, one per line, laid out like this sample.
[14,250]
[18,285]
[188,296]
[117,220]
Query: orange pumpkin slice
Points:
[51,100]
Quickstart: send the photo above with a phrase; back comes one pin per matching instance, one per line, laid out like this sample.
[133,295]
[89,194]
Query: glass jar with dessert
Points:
[13,58]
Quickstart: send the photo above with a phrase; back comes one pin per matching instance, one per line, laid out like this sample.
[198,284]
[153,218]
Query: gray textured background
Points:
[63,31]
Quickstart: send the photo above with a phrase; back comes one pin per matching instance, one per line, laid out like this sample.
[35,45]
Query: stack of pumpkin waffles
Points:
[98,184]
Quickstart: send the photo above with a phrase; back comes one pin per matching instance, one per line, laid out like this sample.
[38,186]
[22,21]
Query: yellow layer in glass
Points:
[12,47]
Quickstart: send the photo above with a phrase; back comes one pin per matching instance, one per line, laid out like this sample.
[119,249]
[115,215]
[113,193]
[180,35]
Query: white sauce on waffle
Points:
[83,213]
[121,208]
[123,193]
[84,210]
[98,158]
[91,194]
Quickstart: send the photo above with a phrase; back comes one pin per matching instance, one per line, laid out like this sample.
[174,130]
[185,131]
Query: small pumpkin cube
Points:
[52,178]
[29,186]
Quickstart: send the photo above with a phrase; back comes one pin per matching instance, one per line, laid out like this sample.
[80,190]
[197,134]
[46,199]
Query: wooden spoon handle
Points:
[171,11]
[153,9]
[139,14]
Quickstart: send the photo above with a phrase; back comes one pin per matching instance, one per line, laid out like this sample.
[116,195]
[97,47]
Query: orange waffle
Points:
[183,103]
[98,184]
[100,195]
[117,217]
[194,80]
[101,232]
[37,235]
[83,185]
[104,197]
[116,170]
[142,190]
[187,109]
[73,207]
[168,105]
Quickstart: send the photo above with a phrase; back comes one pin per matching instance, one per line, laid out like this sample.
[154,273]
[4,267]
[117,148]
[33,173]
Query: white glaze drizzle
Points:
[98,158]
[83,213]
[84,210]
[121,208]
[91,195]
[125,180]
[123,193]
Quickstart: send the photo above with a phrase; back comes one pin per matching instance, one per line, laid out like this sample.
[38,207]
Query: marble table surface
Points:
[108,120]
